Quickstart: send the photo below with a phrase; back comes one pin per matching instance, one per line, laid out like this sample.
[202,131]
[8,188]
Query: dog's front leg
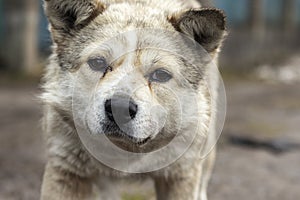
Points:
[178,189]
[64,185]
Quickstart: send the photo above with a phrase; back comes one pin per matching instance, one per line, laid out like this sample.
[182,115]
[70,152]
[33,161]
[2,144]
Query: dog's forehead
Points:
[125,16]
[138,36]
[141,44]
[107,30]
[142,8]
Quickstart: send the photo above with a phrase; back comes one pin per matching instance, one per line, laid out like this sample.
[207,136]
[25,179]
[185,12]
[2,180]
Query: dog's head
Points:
[133,75]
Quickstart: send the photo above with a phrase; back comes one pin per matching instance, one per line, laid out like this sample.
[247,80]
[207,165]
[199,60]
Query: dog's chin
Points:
[128,139]
[129,143]
[138,145]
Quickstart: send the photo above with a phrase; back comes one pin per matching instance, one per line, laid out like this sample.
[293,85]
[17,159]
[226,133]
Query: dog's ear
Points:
[68,15]
[206,26]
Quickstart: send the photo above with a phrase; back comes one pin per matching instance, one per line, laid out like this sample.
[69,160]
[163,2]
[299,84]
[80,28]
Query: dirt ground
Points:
[255,109]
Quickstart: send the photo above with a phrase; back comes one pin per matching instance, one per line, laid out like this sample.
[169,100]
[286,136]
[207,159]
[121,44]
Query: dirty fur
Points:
[77,28]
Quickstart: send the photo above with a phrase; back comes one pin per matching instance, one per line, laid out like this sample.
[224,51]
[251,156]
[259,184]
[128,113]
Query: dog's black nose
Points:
[120,110]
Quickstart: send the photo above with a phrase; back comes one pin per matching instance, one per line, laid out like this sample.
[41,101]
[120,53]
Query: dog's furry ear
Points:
[206,26]
[67,15]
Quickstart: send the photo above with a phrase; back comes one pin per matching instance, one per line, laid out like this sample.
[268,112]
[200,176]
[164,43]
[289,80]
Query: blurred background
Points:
[259,150]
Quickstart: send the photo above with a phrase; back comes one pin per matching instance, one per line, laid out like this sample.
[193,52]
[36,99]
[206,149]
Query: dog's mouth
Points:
[122,137]
[129,143]
[123,140]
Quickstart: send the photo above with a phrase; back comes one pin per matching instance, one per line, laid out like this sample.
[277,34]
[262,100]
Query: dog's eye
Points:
[160,75]
[98,64]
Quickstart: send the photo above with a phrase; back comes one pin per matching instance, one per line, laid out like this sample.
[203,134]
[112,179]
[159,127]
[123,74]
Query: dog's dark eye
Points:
[98,64]
[160,75]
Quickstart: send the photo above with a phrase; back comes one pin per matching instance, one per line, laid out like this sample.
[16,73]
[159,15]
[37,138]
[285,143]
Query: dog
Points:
[128,70]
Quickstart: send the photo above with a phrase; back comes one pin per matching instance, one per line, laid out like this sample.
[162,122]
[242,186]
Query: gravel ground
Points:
[257,110]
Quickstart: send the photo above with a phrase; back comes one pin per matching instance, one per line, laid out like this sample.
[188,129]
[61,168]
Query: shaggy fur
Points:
[78,27]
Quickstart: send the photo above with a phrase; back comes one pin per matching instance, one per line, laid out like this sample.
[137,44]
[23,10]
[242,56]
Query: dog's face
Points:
[133,77]
[137,91]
